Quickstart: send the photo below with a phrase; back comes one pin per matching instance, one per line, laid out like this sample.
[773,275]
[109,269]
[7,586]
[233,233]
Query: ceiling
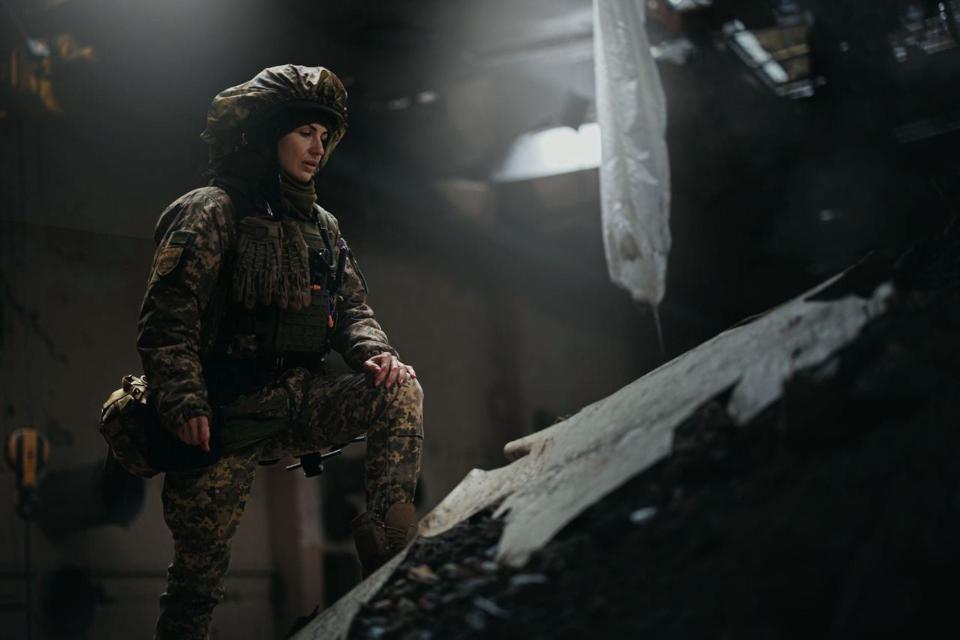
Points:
[770,194]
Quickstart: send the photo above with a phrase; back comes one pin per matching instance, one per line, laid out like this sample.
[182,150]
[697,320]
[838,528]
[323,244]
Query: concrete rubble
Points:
[557,473]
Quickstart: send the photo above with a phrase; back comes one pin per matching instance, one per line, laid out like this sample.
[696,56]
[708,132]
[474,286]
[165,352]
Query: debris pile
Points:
[833,512]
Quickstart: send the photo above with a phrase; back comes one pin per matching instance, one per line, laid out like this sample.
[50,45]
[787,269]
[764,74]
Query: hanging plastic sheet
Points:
[634,170]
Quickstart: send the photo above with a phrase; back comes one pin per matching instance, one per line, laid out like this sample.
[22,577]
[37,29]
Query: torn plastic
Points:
[634,169]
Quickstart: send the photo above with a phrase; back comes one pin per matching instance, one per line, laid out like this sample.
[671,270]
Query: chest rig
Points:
[282,309]
[306,331]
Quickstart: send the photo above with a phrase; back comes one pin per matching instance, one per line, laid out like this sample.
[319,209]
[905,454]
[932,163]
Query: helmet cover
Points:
[245,107]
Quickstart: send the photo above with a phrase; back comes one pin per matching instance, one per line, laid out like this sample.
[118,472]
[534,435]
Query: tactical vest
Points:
[253,345]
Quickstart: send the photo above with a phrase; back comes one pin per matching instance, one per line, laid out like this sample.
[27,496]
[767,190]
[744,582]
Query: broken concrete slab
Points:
[557,473]
[560,471]
[333,623]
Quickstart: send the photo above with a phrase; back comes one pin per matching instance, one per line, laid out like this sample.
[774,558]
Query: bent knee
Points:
[411,392]
[407,409]
[410,400]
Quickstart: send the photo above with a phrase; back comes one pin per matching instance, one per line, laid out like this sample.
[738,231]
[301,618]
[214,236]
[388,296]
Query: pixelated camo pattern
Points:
[178,315]
[203,508]
[332,410]
[187,294]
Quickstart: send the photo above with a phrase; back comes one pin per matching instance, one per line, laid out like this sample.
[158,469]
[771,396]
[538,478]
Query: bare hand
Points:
[388,370]
[196,432]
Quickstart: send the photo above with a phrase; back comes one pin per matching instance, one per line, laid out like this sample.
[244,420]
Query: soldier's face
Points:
[300,151]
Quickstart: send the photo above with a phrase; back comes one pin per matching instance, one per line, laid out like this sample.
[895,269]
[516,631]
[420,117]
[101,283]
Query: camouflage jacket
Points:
[187,297]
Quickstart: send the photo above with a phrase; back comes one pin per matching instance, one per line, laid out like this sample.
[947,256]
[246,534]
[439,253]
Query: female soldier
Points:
[250,286]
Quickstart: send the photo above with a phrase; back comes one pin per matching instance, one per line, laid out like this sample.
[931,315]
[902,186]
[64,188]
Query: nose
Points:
[316,147]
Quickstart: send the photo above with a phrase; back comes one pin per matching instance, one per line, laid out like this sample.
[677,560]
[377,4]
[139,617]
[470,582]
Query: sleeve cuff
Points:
[173,420]
[362,353]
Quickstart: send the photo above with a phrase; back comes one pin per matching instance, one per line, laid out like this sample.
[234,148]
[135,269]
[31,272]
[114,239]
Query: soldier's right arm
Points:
[185,270]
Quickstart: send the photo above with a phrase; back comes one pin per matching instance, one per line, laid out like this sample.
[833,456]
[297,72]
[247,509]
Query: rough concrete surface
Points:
[561,471]
[833,513]
[335,621]
[574,463]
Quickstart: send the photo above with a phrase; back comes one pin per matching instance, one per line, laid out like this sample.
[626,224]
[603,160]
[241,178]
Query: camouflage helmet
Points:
[240,109]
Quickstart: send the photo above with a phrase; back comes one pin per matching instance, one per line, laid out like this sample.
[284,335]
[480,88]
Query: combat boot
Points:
[377,541]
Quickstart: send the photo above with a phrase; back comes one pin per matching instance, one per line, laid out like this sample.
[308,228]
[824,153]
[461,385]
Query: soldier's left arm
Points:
[357,335]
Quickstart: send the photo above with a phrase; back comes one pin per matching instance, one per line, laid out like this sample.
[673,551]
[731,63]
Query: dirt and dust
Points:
[835,513]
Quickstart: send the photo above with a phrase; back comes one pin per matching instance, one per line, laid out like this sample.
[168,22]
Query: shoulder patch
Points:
[168,258]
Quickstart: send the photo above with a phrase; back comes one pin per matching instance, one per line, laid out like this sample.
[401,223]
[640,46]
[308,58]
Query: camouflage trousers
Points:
[203,508]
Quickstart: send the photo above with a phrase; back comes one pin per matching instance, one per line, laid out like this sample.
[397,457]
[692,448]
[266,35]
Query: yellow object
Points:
[27,454]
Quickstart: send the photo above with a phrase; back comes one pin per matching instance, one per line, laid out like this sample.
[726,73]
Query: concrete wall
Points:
[69,325]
